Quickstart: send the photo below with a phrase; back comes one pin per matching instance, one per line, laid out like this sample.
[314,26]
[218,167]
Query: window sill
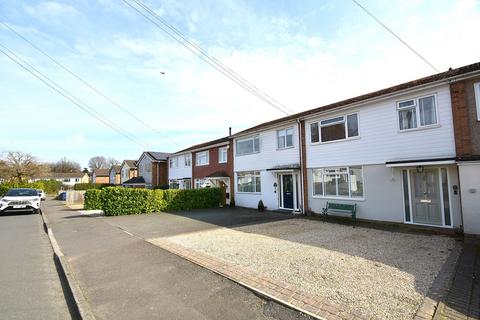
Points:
[338,198]
[335,141]
[246,154]
[222,161]
[202,165]
[286,148]
[432,126]
[252,193]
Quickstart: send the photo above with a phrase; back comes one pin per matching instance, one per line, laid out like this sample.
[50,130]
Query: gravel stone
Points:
[379,273]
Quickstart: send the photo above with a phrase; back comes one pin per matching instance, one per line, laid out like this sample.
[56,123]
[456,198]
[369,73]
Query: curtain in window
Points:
[427,111]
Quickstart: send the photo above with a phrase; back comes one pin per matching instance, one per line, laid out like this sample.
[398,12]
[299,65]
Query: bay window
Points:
[418,112]
[249,182]
[333,129]
[342,182]
[248,146]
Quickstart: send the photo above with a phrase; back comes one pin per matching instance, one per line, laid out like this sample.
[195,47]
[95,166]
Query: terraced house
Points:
[394,153]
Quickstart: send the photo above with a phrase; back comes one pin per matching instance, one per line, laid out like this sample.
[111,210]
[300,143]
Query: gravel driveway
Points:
[381,273]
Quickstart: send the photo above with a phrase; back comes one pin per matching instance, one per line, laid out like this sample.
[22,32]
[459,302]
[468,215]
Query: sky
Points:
[304,54]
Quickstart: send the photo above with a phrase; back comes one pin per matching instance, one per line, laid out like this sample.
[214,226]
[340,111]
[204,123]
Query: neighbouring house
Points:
[267,166]
[180,170]
[212,166]
[465,97]
[395,153]
[128,170]
[153,169]
[68,179]
[101,176]
[114,175]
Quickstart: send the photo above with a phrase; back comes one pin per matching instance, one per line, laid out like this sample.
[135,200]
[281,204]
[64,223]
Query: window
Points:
[77,179]
[202,183]
[187,184]
[174,184]
[419,112]
[343,182]
[188,160]
[148,167]
[338,128]
[285,138]
[202,158]
[248,181]
[174,162]
[476,87]
[248,145]
[66,180]
[222,155]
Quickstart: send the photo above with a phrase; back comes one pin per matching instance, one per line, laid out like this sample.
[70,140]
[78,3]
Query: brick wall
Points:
[102,179]
[458,95]
[200,172]
[473,123]
[163,177]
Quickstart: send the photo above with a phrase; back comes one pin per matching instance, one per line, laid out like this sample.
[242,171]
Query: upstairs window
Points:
[202,158]
[173,162]
[248,146]
[222,155]
[188,160]
[285,138]
[476,87]
[415,113]
[333,129]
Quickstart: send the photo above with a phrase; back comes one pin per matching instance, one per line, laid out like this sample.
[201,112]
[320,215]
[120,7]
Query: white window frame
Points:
[253,143]
[350,197]
[256,175]
[188,160]
[173,163]
[284,136]
[207,156]
[476,89]
[417,113]
[344,120]
[221,152]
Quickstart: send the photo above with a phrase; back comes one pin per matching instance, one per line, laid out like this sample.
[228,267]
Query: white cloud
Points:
[47,10]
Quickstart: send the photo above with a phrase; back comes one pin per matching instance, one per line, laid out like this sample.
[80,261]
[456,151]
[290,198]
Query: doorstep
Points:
[281,292]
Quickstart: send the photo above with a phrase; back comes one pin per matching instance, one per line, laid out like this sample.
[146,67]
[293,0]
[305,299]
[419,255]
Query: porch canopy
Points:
[419,162]
[285,168]
[218,174]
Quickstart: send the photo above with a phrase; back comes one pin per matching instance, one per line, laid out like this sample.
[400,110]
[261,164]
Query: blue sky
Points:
[302,53]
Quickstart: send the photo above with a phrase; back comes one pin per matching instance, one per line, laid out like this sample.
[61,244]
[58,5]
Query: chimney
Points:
[229,131]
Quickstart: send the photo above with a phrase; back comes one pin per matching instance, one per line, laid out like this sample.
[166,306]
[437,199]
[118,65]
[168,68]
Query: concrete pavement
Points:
[124,277]
[30,287]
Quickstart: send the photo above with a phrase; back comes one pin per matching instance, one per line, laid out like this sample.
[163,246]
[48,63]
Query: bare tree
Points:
[97,162]
[112,162]
[19,166]
[65,165]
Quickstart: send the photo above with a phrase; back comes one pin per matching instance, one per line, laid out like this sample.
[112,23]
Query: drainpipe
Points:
[300,133]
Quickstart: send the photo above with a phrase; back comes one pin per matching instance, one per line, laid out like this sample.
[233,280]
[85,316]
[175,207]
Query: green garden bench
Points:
[333,207]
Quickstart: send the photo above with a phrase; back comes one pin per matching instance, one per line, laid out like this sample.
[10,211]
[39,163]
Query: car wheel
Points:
[36,211]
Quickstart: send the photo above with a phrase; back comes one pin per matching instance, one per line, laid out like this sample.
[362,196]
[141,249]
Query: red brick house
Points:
[212,165]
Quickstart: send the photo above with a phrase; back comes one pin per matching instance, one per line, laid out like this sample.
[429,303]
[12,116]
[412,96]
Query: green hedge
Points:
[117,201]
[88,186]
[93,199]
[49,186]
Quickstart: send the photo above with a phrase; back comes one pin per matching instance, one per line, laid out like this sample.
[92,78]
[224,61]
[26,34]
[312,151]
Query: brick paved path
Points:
[462,301]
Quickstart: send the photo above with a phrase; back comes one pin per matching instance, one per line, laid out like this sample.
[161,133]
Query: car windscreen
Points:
[21,193]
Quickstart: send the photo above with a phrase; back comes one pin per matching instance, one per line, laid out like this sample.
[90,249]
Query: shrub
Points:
[121,201]
[93,199]
[118,201]
[88,186]
[49,186]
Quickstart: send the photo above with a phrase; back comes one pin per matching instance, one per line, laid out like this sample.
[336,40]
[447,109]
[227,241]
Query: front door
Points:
[427,206]
[287,191]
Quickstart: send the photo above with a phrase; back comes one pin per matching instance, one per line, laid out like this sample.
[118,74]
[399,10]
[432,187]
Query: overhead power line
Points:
[90,86]
[201,53]
[67,95]
[396,36]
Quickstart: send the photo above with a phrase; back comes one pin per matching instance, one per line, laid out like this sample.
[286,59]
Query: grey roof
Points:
[130,163]
[135,180]
[159,156]
[102,172]
[116,168]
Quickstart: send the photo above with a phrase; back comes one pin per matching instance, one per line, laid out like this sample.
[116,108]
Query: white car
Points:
[21,200]
[41,194]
